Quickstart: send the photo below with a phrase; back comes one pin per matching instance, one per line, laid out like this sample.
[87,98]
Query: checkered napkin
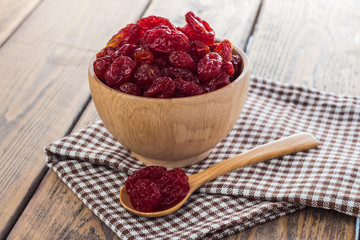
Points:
[95,167]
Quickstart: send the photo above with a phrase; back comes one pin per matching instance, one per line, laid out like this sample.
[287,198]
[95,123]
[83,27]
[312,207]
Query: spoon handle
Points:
[291,144]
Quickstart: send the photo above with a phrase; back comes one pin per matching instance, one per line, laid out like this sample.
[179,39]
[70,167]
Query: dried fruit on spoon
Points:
[154,58]
[155,188]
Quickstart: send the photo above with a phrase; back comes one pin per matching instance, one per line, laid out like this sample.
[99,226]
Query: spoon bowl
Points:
[291,144]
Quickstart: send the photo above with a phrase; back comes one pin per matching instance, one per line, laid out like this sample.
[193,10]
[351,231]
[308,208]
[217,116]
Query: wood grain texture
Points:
[12,14]
[80,222]
[55,212]
[309,42]
[311,223]
[44,86]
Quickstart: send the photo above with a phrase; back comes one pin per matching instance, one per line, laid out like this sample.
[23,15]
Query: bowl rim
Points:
[241,53]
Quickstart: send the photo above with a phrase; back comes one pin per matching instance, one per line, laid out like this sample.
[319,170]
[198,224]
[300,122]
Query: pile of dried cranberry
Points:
[153,58]
[154,188]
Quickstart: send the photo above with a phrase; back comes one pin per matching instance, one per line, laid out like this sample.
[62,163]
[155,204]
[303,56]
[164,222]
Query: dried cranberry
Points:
[224,48]
[145,195]
[198,50]
[142,55]
[176,72]
[101,65]
[120,71]
[145,75]
[228,68]
[107,51]
[155,188]
[237,64]
[165,40]
[209,66]
[188,88]
[173,186]
[220,81]
[153,173]
[150,22]
[161,61]
[127,35]
[213,47]
[182,59]
[162,87]
[189,59]
[129,88]
[198,29]
[125,50]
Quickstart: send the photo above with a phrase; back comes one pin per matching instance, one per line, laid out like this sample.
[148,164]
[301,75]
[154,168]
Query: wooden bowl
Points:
[172,132]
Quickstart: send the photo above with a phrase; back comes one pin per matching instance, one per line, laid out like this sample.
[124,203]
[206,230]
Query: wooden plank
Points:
[315,43]
[310,223]
[44,86]
[12,14]
[55,212]
[33,223]
[65,217]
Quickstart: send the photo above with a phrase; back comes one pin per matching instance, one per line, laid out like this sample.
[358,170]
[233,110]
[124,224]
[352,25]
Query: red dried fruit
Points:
[176,72]
[125,50]
[161,61]
[198,50]
[145,186]
[153,173]
[224,48]
[220,81]
[173,186]
[145,75]
[188,88]
[153,44]
[182,59]
[107,51]
[142,55]
[150,22]
[228,68]
[212,48]
[209,67]
[198,29]
[127,35]
[162,87]
[145,195]
[165,40]
[101,65]
[237,64]
[120,71]
[129,88]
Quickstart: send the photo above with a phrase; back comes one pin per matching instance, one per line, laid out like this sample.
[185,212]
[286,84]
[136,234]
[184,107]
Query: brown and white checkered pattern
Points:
[95,167]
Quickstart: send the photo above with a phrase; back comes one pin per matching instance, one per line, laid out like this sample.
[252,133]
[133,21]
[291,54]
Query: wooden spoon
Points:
[287,145]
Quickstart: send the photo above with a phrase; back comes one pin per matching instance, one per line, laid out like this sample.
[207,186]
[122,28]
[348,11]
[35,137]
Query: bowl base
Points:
[171,164]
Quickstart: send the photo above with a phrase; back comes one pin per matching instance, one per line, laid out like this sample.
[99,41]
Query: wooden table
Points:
[45,49]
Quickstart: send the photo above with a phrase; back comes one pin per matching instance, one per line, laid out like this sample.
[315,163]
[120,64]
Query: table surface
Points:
[45,50]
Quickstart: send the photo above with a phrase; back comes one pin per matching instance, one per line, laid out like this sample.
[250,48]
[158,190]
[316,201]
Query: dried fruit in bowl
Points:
[153,58]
